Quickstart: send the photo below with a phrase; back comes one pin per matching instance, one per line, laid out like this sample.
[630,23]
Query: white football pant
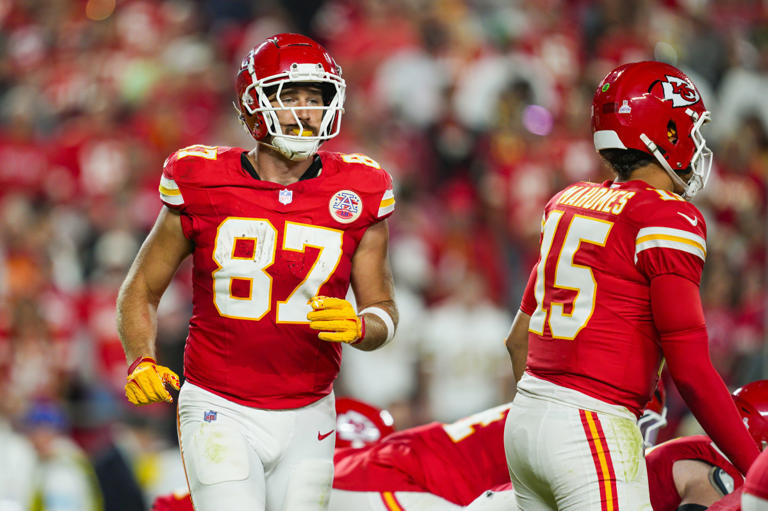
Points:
[238,457]
[571,452]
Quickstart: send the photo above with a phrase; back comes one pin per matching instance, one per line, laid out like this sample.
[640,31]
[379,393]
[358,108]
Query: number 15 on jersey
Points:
[567,274]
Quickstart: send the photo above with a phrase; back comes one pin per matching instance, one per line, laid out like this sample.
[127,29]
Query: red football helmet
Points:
[279,61]
[655,108]
[359,424]
[752,402]
[654,415]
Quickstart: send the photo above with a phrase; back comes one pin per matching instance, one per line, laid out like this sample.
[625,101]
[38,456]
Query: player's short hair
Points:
[625,161]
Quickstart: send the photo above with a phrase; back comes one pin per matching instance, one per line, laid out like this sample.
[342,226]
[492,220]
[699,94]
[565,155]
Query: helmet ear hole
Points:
[672,132]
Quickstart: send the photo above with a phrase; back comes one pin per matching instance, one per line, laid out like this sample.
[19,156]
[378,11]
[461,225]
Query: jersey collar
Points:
[313,170]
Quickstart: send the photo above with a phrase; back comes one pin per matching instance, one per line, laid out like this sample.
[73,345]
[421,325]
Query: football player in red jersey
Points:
[441,467]
[615,290]
[435,466]
[690,473]
[277,235]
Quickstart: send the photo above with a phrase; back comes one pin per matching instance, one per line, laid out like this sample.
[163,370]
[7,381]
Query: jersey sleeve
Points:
[170,192]
[528,303]
[671,240]
[384,197]
[387,203]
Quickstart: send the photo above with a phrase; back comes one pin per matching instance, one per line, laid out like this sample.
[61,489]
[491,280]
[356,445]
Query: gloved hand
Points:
[147,380]
[336,319]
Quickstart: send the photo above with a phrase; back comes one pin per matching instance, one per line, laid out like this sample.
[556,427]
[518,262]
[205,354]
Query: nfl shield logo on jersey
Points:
[345,206]
[209,416]
[285,196]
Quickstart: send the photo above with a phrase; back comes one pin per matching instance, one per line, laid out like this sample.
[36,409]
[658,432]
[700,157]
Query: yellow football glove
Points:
[147,380]
[336,319]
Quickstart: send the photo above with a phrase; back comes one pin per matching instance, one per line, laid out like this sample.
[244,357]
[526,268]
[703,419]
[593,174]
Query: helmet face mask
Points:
[282,62]
[654,415]
[655,108]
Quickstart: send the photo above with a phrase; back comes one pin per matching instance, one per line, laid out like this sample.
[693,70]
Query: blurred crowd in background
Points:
[478,108]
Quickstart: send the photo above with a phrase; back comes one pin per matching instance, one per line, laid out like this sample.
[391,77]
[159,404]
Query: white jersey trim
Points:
[667,237]
[169,192]
[387,204]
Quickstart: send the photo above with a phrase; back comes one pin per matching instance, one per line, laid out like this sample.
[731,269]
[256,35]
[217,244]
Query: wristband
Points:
[138,361]
[385,317]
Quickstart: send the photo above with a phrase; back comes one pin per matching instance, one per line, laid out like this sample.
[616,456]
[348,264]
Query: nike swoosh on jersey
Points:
[693,221]
[321,437]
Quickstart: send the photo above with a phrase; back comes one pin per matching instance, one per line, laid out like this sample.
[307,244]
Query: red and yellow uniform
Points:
[262,250]
[594,341]
[592,327]
[256,413]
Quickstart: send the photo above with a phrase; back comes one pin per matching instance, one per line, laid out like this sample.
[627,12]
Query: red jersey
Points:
[757,477]
[261,251]
[591,326]
[661,458]
[457,462]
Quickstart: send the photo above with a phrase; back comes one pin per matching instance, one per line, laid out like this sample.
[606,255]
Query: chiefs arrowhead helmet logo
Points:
[679,91]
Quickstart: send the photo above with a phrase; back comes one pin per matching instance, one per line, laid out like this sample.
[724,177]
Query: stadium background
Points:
[478,108]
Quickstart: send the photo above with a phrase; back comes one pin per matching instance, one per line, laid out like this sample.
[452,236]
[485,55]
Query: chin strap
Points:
[295,150]
[654,149]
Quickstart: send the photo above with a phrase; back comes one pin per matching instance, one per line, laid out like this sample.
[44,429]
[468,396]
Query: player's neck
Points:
[272,166]
[653,175]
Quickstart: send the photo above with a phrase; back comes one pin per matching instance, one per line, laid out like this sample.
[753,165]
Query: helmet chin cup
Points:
[293,149]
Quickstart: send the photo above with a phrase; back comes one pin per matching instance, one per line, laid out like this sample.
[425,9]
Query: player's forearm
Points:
[136,320]
[715,411]
[708,399]
[686,347]
[377,328]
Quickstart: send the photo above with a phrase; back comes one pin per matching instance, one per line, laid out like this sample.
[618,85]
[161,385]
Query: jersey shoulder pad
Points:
[691,440]
[670,235]
[367,176]
[669,222]
[191,166]
[658,206]
[359,168]
[196,159]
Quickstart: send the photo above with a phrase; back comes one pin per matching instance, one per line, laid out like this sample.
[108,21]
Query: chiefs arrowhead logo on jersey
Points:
[679,91]
[345,206]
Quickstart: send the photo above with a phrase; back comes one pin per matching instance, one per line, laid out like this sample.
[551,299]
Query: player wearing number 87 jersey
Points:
[277,234]
[614,292]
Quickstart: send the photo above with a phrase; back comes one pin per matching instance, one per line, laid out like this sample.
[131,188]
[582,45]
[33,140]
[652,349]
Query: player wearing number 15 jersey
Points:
[614,292]
[277,234]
